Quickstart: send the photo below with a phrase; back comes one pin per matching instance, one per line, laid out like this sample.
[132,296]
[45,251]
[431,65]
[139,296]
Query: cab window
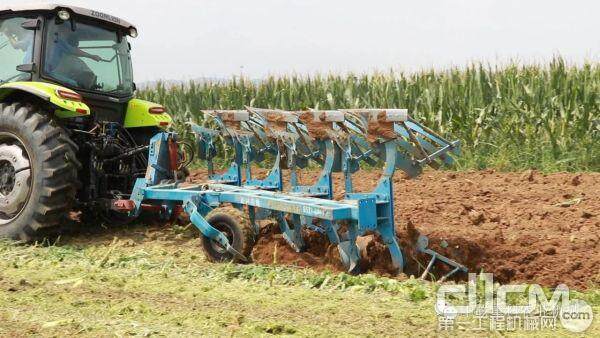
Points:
[16,48]
[89,57]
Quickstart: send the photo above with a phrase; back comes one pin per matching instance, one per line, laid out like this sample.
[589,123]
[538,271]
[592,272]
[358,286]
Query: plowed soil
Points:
[522,227]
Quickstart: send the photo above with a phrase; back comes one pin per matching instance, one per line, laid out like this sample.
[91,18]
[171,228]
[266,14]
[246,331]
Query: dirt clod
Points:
[576,180]
[476,217]
[586,214]
[528,175]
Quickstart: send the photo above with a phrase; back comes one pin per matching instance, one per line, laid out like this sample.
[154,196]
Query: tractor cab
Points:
[83,50]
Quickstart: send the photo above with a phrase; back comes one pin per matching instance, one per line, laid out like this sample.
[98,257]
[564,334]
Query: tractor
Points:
[72,135]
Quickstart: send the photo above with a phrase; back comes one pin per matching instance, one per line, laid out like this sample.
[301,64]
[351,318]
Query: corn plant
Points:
[509,117]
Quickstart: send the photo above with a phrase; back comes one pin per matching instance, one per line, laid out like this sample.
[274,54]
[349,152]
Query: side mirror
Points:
[26,68]
[134,87]
[32,24]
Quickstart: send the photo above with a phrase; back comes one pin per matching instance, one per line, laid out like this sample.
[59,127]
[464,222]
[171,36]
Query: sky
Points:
[186,39]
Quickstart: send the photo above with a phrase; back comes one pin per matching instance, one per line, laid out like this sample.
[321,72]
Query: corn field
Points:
[513,117]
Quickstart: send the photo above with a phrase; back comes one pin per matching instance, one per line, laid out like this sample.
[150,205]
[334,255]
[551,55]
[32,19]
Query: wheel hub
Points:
[7,177]
[15,174]
[227,232]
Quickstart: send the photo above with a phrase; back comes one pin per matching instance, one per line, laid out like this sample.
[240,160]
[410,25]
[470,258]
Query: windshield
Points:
[16,48]
[88,57]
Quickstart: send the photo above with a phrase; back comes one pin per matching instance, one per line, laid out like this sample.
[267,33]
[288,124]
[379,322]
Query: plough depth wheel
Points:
[236,226]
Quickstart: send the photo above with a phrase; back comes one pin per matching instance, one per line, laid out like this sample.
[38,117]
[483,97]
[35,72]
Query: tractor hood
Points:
[77,10]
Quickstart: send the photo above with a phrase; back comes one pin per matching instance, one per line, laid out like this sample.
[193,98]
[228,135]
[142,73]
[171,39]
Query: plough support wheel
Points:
[236,226]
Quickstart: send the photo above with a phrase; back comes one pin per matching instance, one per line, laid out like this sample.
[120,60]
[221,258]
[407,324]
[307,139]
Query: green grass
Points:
[139,283]
[512,117]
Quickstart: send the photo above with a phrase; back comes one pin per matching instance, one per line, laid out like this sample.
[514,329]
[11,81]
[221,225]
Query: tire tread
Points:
[58,174]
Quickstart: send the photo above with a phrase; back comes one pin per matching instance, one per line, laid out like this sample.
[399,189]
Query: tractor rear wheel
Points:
[38,172]
[236,226]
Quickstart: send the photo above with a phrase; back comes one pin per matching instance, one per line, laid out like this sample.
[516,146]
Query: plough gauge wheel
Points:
[236,226]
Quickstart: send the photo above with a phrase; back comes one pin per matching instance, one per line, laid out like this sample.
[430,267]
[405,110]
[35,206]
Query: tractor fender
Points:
[65,108]
[142,113]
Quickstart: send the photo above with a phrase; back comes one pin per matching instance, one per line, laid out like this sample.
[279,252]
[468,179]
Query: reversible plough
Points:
[336,140]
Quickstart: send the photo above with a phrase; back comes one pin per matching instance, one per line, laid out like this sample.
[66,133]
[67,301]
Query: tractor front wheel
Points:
[236,226]
[38,171]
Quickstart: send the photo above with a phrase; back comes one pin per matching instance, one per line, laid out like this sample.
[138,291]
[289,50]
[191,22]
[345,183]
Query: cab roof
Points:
[97,15]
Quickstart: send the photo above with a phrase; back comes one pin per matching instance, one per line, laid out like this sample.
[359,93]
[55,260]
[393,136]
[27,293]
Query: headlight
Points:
[64,15]
[133,32]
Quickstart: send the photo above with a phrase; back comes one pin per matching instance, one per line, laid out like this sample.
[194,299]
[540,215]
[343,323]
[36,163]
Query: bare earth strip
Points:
[522,227]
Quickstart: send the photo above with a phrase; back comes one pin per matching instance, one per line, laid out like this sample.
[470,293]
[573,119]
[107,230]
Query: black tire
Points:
[236,225]
[52,173]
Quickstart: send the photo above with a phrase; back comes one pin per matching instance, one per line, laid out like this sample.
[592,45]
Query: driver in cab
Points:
[63,58]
